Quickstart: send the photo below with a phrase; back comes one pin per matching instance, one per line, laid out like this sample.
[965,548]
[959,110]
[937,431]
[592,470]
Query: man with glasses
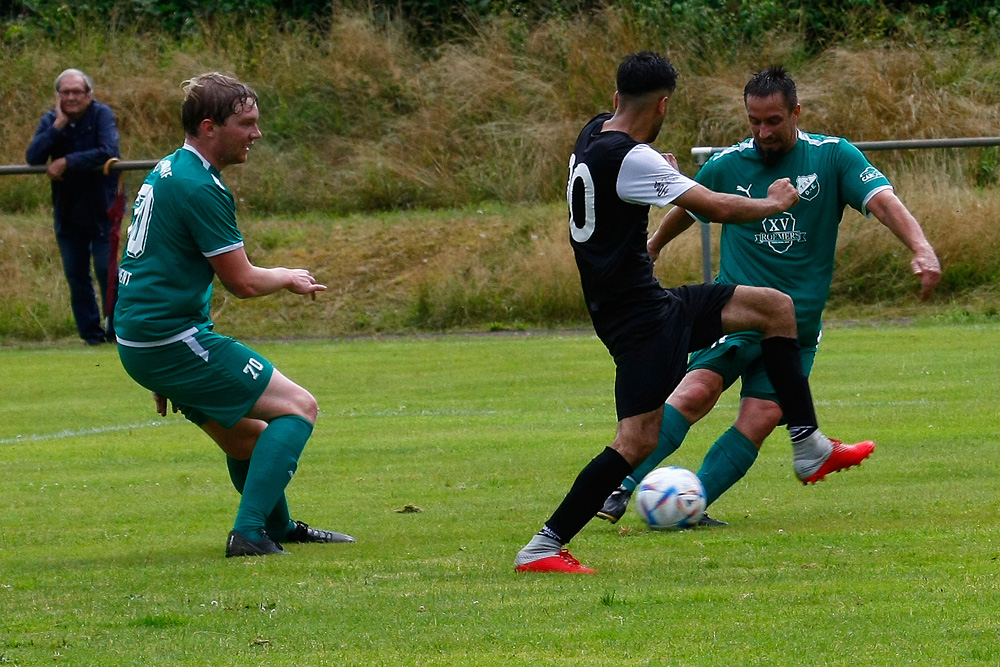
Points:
[79,135]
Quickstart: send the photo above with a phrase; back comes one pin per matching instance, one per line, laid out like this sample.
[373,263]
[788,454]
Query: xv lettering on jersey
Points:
[779,233]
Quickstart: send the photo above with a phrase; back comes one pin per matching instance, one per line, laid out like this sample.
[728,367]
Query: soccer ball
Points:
[670,498]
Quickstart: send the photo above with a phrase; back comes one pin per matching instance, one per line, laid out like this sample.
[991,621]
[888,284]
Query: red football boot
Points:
[841,458]
[561,562]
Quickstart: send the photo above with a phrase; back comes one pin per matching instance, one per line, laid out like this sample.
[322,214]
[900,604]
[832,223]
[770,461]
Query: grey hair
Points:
[76,72]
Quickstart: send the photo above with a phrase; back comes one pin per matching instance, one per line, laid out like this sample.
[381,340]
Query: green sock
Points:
[725,463]
[272,465]
[278,522]
[238,472]
[673,428]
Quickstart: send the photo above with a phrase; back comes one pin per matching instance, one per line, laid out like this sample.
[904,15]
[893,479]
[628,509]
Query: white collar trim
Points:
[189,147]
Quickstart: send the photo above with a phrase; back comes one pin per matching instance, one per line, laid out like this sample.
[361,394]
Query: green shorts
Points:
[738,356]
[205,375]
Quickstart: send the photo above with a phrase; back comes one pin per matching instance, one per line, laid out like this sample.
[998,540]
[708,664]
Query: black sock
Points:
[592,487]
[783,366]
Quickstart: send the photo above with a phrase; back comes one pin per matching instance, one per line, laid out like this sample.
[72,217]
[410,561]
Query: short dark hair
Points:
[645,72]
[214,96]
[773,80]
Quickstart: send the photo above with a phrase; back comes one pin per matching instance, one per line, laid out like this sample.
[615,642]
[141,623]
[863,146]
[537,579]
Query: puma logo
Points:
[744,190]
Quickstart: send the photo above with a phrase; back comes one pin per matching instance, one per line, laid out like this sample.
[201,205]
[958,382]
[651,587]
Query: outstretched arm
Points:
[673,224]
[245,280]
[722,207]
[891,212]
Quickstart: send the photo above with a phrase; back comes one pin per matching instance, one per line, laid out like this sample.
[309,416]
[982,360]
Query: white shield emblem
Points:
[808,186]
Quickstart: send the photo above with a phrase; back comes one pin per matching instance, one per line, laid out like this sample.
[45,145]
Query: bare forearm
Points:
[722,207]
[891,212]
[673,224]
[245,280]
[260,281]
[737,209]
[906,228]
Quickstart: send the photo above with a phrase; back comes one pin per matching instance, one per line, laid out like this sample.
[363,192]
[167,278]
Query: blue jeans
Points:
[79,244]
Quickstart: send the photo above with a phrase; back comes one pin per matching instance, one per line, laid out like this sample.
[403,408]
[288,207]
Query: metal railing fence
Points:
[120,165]
[701,154]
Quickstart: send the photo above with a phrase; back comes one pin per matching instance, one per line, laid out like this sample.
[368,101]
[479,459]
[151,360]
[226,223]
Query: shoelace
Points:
[565,555]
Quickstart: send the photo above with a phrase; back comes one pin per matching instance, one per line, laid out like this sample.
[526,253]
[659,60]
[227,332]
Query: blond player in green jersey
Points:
[183,234]
[792,251]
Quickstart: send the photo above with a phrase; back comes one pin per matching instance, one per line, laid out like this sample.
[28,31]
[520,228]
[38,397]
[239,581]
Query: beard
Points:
[770,156]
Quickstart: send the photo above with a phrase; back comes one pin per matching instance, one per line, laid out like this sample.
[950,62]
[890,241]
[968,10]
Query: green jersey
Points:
[183,215]
[792,251]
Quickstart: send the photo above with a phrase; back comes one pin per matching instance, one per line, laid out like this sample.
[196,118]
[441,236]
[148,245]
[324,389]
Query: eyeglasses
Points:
[74,91]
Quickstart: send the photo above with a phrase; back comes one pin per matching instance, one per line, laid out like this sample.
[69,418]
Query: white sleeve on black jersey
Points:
[647,178]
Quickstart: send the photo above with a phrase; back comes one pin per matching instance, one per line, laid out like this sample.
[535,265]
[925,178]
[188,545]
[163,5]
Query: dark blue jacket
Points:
[83,195]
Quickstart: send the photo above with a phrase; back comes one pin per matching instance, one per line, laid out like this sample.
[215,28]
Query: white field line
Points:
[74,433]
[351,414]
[98,430]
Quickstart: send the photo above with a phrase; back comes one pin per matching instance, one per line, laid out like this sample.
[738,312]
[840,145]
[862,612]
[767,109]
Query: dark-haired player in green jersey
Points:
[183,234]
[792,251]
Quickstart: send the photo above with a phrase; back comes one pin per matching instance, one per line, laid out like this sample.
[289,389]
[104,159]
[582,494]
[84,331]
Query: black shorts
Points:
[649,365]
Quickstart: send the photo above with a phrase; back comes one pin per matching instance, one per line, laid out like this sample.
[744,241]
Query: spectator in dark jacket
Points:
[79,135]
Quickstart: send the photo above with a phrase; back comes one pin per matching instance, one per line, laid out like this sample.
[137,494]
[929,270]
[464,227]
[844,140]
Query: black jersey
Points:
[613,179]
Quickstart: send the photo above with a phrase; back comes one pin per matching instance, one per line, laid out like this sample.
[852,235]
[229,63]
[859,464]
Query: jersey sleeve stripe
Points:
[223,250]
[868,198]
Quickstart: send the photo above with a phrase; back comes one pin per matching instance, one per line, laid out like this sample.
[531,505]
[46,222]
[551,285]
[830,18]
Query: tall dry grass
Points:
[356,118]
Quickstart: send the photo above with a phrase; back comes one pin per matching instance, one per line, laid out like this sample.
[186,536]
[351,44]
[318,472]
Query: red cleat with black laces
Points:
[841,458]
[561,562]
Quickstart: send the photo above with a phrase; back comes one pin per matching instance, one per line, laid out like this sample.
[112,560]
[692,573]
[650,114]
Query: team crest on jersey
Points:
[779,233]
[870,174]
[808,186]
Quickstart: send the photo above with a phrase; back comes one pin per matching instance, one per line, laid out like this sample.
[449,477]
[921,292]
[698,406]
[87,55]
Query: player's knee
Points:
[693,399]
[306,406]
[635,449]
[760,421]
[776,305]
[775,312]
[637,438]
[769,418]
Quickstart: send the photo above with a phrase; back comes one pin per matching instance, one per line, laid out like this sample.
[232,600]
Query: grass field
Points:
[111,550]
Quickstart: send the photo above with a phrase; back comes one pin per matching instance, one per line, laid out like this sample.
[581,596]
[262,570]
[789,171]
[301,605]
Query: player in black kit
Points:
[614,177]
